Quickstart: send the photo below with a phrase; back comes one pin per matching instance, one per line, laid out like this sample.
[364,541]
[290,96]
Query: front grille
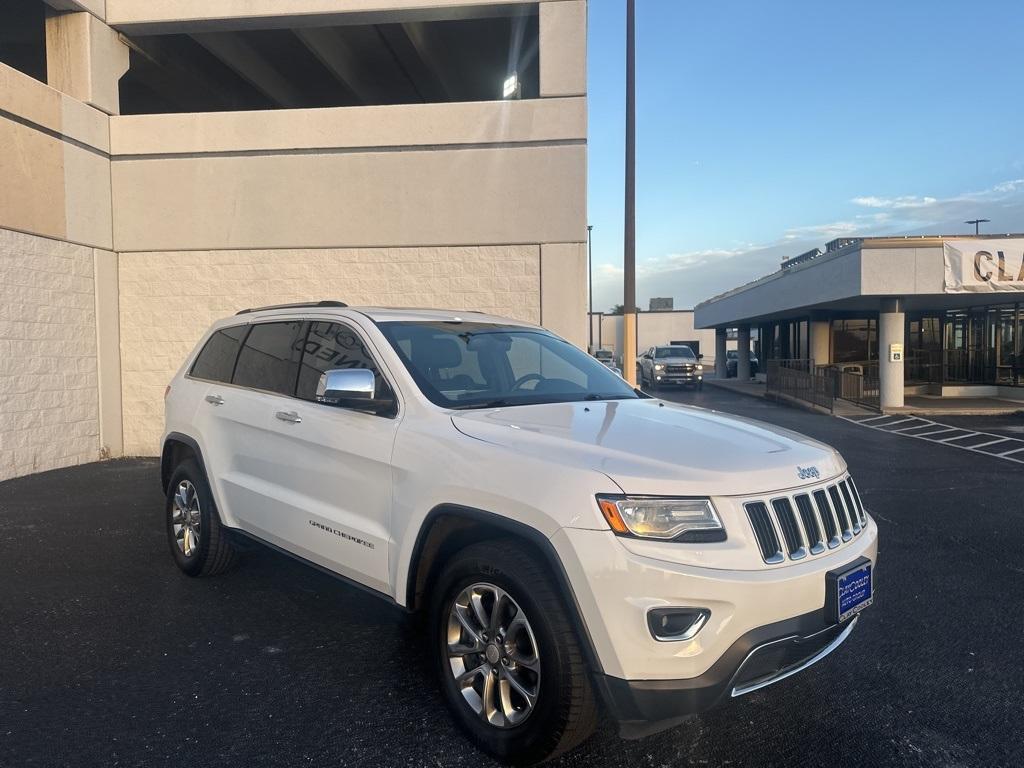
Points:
[807,523]
[678,369]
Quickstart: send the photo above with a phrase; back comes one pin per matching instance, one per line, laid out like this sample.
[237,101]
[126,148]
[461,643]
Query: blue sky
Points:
[767,128]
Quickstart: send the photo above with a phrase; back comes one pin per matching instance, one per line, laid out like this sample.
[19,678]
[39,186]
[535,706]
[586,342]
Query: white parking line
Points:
[958,437]
[894,423]
[936,432]
[926,425]
[1015,455]
[992,442]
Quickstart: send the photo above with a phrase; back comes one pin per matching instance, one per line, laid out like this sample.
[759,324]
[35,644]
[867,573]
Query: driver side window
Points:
[333,345]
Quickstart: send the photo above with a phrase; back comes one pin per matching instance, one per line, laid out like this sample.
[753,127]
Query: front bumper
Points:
[678,378]
[777,611]
[761,657]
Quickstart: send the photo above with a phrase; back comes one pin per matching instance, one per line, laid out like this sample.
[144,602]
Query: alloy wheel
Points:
[492,654]
[186,518]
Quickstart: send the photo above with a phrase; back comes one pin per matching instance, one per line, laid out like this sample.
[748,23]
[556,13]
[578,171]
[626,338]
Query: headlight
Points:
[659,367]
[700,367]
[658,518]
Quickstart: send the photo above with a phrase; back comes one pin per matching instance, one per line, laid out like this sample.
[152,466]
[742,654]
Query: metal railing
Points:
[861,388]
[823,385]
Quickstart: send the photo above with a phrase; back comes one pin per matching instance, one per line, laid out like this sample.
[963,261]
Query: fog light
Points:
[675,624]
[658,378]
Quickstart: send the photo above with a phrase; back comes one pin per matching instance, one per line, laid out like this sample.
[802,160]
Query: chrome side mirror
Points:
[346,387]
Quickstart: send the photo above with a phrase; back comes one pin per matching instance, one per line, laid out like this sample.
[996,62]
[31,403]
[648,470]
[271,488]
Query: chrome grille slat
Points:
[807,523]
[812,527]
[850,509]
[857,501]
[828,518]
[768,538]
[845,528]
[790,528]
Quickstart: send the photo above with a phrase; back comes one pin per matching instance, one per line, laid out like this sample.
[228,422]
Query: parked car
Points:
[671,364]
[607,358]
[579,548]
[732,358]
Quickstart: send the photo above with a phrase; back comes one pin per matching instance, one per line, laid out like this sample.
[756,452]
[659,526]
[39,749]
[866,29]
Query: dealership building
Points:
[931,316]
[169,162]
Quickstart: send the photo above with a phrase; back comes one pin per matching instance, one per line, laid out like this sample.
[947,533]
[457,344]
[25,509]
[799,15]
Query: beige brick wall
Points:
[49,414]
[168,300]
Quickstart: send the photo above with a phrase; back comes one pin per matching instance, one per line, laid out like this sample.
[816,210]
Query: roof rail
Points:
[297,305]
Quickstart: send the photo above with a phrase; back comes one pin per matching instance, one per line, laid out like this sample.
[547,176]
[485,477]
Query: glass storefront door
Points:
[984,346]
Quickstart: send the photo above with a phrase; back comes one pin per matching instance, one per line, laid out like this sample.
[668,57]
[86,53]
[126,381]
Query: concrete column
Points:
[890,374]
[819,340]
[563,290]
[743,352]
[563,48]
[720,352]
[85,59]
[108,353]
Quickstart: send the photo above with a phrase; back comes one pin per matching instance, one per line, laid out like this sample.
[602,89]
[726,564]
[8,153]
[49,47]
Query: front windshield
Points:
[480,365]
[673,352]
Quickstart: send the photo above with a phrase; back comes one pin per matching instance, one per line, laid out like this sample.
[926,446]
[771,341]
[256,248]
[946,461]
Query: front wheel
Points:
[511,668]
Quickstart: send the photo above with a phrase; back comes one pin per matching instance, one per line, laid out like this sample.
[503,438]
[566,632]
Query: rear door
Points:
[243,451]
[218,409]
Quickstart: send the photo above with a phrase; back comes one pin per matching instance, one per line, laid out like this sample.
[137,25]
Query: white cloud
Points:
[692,276]
[824,231]
[896,203]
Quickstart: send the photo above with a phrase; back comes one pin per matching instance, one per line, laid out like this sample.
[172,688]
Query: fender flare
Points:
[165,467]
[521,530]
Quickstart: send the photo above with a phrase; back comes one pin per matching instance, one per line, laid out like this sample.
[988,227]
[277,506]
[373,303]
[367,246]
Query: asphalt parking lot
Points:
[112,657]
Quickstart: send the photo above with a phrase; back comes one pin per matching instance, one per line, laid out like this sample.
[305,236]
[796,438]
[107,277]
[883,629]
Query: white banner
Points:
[984,266]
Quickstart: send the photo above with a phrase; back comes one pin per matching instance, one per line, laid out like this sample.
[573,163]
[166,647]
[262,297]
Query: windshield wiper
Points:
[488,404]
[592,397]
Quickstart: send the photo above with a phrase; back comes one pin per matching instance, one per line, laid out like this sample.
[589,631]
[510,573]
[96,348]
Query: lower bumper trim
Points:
[756,660]
[787,671]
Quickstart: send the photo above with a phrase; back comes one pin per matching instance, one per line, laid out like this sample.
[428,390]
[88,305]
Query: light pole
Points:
[976,222]
[629,250]
[590,283]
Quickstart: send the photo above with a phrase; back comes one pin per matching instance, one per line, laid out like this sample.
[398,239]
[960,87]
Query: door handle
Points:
[290,416]
[215,400]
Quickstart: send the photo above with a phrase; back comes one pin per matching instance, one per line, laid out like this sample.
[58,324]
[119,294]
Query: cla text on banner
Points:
[984,266]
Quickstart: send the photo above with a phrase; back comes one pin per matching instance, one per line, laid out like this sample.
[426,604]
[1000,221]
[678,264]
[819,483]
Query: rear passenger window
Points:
[330,346]
[217,360]
[270,358]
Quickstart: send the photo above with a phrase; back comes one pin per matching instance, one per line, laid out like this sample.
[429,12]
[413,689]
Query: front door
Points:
[332,466]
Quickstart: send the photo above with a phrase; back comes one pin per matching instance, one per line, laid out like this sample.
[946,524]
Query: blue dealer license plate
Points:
[849,591]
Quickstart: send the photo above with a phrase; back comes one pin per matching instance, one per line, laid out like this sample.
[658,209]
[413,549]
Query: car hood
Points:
[675,360]
[650,446]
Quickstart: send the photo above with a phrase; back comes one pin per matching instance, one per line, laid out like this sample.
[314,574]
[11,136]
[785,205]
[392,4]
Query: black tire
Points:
[214,554]
[565,713]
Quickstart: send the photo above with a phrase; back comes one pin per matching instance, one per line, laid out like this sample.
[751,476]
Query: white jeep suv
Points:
[575,543]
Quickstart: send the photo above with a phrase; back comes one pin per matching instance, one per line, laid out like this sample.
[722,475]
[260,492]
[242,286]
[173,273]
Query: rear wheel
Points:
[511,668]
[199,544]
